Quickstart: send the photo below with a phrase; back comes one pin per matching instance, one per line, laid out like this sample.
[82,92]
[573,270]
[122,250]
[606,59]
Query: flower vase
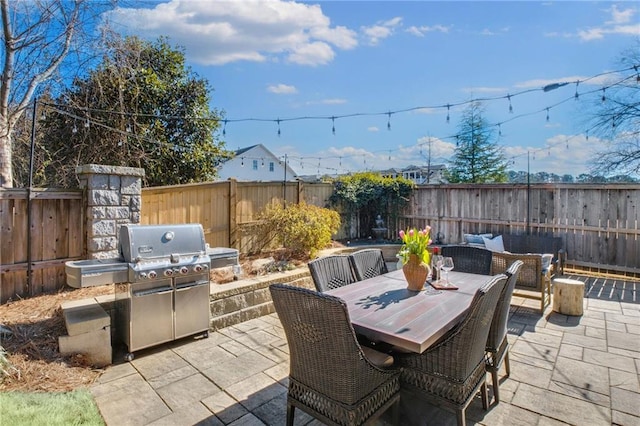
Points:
[415,272]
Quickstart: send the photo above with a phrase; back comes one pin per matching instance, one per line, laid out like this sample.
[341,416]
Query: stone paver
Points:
[583,375]
[565,370]
[560,407]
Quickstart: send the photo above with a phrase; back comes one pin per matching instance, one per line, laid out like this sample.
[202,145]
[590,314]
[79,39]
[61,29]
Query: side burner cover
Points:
[139,242]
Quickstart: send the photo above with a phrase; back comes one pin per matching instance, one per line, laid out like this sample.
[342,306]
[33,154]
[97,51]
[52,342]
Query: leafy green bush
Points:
[302,229]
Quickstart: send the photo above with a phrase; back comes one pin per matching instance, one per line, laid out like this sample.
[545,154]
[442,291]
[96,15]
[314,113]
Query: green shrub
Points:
[302,229]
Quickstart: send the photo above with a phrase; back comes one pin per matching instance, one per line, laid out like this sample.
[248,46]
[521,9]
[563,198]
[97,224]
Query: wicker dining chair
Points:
[450,373]
[368,263]
[331,272]
[474,260]
[497,348]
[332,377]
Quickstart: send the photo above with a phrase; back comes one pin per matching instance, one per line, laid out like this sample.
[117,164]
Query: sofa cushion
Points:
[476,238]
[494,244]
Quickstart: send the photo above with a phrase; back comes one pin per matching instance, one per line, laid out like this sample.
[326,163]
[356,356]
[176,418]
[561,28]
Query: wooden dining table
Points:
[383,309]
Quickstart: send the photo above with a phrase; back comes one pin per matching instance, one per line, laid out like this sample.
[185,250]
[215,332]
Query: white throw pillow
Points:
[494,244]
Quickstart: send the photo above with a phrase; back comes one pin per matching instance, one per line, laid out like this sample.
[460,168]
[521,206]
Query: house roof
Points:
[243,150]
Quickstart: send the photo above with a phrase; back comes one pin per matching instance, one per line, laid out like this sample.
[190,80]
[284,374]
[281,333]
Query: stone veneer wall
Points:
[113,198]
[240,301]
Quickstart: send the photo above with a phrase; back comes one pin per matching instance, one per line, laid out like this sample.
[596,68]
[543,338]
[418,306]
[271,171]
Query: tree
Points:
[37,37]
[477,158]
[141,107]
[616,119]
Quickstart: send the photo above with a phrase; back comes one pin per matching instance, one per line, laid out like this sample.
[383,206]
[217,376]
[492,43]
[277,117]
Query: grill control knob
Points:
[198,268]
[184,270]
[168,272]
[152,274]
[143,275]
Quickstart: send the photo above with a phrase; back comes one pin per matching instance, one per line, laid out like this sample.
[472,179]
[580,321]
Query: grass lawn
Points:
[60,408]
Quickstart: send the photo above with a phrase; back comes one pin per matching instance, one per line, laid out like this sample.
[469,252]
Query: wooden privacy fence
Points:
[227,210]
[599,224]
[40,242]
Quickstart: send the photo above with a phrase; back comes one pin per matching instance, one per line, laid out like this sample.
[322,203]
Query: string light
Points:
[547,109]
[278,121]
[224,128]
[389,121]
[333,125]
[86,124]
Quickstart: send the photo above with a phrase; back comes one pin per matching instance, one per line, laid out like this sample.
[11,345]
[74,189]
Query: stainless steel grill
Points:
[162,282]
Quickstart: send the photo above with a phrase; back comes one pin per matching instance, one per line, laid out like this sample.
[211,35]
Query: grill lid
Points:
[145,242]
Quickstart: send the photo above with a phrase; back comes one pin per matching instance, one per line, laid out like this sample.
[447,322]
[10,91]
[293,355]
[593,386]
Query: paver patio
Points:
[564,370]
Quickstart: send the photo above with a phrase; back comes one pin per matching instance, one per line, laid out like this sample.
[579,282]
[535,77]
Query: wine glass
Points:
[447,265]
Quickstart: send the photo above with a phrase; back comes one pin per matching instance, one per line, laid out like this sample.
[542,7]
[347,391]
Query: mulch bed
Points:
[30,329]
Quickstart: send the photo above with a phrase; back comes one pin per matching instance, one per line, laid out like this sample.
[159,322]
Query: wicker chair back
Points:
[368,263]
[450,373]
[331,272]
[329,377]
[497,348]
[474,260]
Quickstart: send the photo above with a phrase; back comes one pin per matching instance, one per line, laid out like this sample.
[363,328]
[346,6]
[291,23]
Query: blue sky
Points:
[281,60]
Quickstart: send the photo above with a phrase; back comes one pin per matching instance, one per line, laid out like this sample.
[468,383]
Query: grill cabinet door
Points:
[192,306]
[151,314]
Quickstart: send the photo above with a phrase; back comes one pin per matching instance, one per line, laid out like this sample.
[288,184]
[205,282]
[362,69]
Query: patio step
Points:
[89,331]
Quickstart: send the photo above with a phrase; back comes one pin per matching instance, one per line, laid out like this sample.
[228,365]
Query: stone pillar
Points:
[113,197]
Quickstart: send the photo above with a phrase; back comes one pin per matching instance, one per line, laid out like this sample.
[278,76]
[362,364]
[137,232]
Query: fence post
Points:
[234,239]
[113,197]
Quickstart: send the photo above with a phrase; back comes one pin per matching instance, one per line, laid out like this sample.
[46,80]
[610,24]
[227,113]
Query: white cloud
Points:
[282,89]
[329,101]
[620,16]
[373,129]
[381,30]
[218,32]
[488,32]
[424,29]
[563,154]
[621,23]
[334,101]
[541,82]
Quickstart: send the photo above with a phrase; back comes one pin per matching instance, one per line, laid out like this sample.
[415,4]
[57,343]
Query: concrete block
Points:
[94,345]
[83,316]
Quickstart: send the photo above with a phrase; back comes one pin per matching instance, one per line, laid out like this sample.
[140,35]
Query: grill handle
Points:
[153,291]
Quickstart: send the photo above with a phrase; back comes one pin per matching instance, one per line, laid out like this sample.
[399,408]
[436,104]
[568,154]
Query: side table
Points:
[568,296]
